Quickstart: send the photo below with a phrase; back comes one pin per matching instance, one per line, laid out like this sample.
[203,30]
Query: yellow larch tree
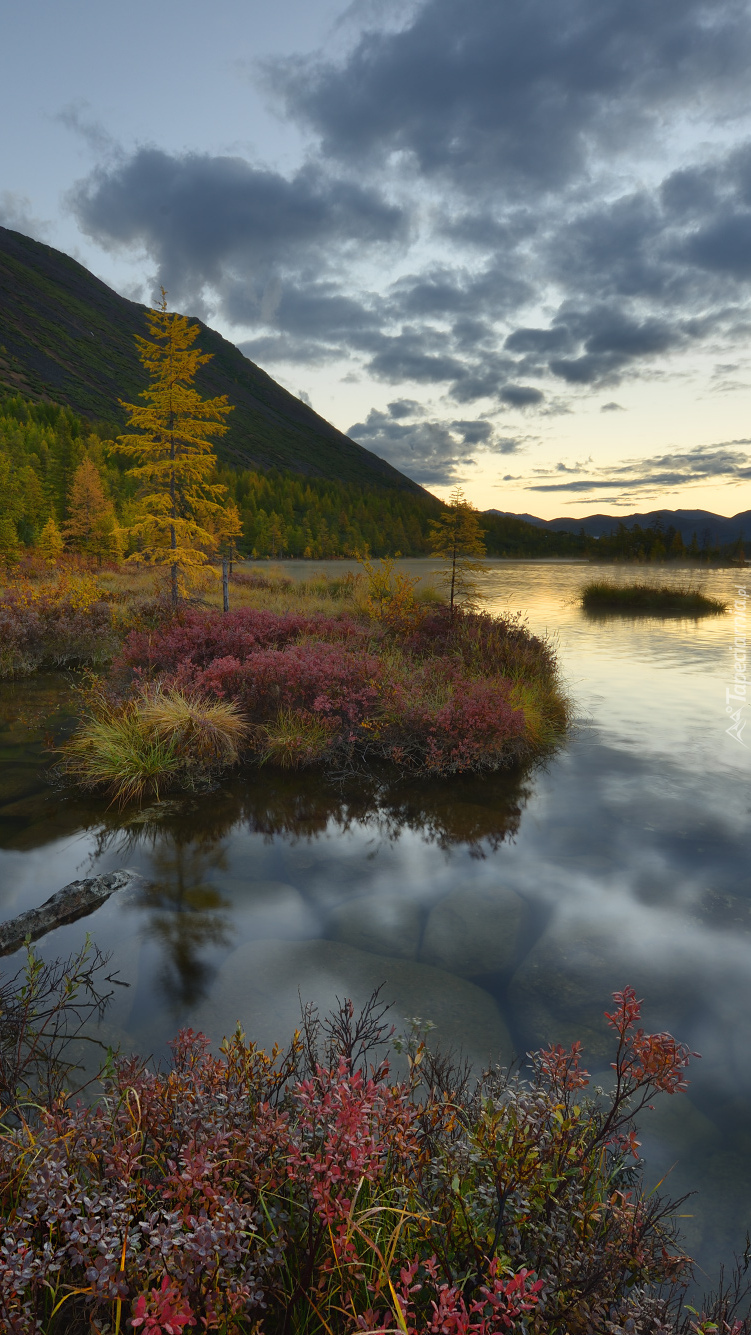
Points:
[173,461]
[91,527]
[457,537]
[50,544]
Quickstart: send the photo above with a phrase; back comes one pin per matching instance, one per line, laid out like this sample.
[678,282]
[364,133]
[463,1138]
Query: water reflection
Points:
[505,909]
[477,812]
[185,914]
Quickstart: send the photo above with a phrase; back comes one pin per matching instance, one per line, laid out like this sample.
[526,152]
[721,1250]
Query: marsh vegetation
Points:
[605,595]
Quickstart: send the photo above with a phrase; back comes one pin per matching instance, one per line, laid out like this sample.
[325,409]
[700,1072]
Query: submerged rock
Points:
[261,985]
[267,908]
[563,986]
[385,925]
[474,931]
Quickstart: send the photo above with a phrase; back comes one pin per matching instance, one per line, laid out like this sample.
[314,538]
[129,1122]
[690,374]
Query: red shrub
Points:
[444,708]
[200,637]
[311,1191]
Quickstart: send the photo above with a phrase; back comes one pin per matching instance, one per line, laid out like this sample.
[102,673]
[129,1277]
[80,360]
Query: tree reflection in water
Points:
[186,912]
[185,840]
[477,811]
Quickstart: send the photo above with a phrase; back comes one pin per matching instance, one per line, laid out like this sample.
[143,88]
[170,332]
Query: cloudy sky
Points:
[505,243]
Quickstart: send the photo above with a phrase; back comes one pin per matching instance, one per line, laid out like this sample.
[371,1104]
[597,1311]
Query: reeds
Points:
[604,595]
[161,739]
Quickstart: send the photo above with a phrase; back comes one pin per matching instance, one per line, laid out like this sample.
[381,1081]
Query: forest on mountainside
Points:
[283,514]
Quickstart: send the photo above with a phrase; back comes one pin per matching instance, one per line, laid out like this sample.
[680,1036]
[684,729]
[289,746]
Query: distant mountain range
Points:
[67,337]
[708,527]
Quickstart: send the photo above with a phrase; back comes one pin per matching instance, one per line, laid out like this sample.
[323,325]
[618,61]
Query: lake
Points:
[504,910]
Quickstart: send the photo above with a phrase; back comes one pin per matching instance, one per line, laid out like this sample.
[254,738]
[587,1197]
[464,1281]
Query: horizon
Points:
[506,248]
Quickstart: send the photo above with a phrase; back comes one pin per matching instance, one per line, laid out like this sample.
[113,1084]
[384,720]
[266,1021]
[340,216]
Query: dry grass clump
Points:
[141,747]
[295,739]
[604,595]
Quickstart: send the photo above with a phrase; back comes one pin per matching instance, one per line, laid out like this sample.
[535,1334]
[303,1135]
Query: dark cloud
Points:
[520,396]
[431,452]
[512,96]
[221,222]
[723,462]
[405,408]
[612,407]
[504,131]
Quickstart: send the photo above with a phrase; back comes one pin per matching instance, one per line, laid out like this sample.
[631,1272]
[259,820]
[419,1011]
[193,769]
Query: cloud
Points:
[495,94]
[520,396]
[16,213]
[706,463]
[237,228]
[77,118]
[490,209]
[431,452]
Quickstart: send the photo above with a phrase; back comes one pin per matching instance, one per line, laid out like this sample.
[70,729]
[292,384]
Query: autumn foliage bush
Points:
[55,624]
[434,694]
[312,1190]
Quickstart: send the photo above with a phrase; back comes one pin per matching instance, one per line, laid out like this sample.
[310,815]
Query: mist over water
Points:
[504,909]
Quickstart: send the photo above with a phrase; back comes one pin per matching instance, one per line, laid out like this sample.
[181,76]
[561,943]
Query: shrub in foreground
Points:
[607,596]
[312,1191]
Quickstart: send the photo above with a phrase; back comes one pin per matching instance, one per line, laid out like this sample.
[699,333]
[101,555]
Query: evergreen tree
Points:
[456,536]
[173,461]
[90,528]
[50,543]
[676,549]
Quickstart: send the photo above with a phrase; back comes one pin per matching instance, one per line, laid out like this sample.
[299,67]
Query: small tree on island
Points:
[457,537]
[174,462]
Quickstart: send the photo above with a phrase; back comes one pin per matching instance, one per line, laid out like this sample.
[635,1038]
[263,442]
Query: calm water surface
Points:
[505,909]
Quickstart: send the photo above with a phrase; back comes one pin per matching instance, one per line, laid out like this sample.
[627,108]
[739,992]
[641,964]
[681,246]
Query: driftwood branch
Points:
[73,901]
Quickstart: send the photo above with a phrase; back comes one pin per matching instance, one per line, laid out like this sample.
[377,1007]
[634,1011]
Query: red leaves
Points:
[561,1067]
[163,1312]
[656,1060]
[504,1299]
[234,1188]
[441,706]
[344,1132]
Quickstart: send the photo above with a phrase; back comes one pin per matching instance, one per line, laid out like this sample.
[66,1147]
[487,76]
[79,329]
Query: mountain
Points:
[708,527]
[67,337]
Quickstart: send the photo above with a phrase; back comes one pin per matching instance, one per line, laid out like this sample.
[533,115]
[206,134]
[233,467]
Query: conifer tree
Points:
[456,536]
[50,545]
[90,527]
[173,460]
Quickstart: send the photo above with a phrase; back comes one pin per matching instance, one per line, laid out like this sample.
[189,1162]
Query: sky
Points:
[504,245]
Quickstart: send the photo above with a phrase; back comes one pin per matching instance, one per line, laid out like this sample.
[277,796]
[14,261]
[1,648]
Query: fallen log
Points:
[66,905]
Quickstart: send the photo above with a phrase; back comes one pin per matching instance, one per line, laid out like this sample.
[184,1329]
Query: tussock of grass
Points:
[294,740]
[146,745]
[607,596]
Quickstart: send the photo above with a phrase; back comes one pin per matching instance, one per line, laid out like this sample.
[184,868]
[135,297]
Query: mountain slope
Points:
[706,525]
[66,336]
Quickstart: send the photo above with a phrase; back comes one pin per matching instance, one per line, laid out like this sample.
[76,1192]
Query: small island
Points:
[604,595]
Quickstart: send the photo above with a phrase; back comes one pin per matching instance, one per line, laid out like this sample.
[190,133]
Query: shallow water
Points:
[503,909]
